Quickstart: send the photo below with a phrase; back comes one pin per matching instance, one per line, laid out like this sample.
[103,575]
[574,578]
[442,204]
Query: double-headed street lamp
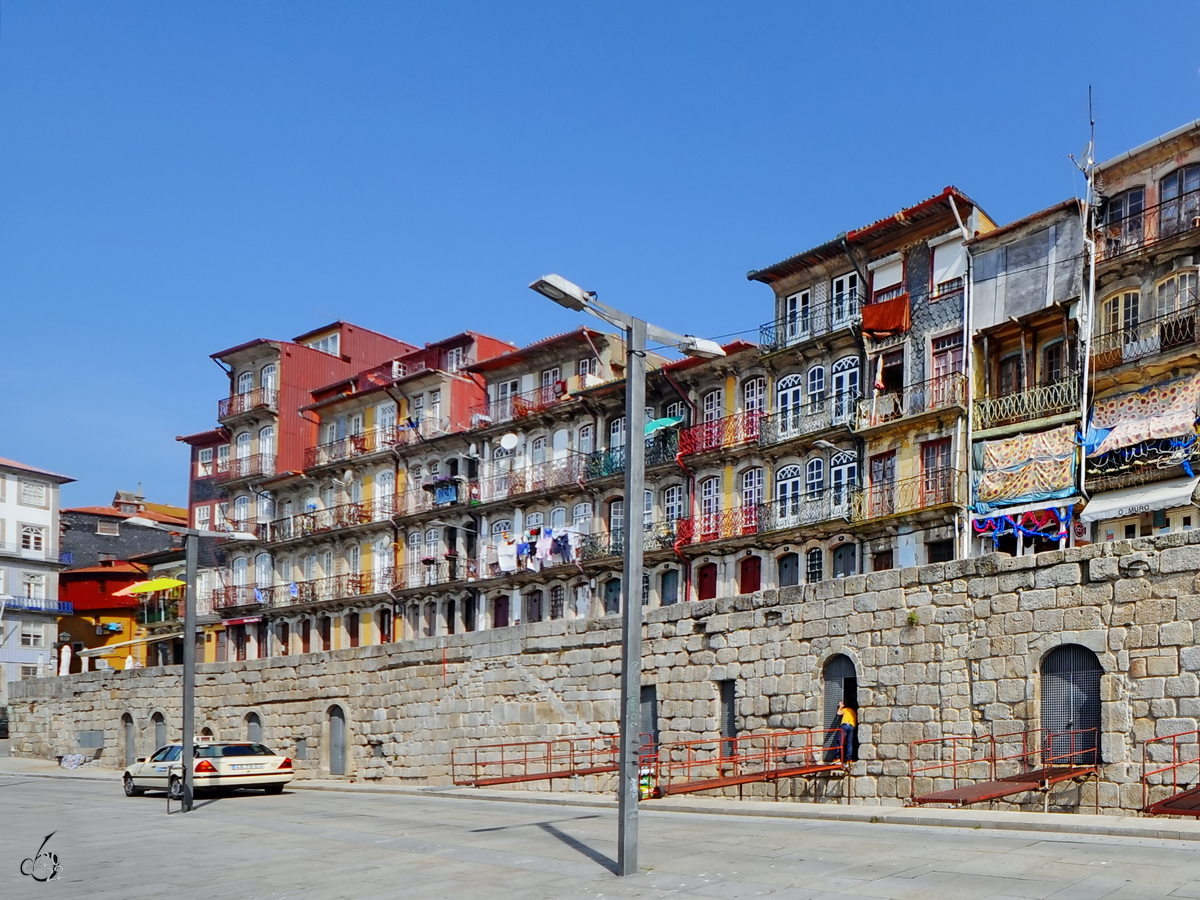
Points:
[191,544]
[573,297]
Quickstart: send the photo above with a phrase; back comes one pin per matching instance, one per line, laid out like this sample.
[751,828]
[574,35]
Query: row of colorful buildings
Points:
[926,387]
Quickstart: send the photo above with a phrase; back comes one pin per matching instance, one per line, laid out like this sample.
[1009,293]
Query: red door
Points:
[706,581]
[749,574]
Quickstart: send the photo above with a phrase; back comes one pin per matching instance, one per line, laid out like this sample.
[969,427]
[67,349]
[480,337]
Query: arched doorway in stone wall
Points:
[128,739]
[840,680]
[337,741]
[1071,705]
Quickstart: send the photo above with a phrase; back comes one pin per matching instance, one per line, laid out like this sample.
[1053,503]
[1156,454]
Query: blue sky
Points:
[178,178]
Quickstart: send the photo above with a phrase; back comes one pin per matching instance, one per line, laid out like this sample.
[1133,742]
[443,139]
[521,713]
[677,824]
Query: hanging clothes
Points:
[562,547]
[544,547]
[506,556]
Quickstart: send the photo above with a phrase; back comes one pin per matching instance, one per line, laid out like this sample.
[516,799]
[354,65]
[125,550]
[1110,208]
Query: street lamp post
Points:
[191,554]
[573,297]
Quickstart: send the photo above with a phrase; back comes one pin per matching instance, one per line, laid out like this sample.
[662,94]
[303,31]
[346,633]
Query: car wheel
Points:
[132,790]
[274,789]
[175,789]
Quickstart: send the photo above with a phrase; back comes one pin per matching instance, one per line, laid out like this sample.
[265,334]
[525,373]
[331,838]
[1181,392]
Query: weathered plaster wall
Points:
[969,660]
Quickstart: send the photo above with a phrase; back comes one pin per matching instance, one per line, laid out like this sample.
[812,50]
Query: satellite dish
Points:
[509,441]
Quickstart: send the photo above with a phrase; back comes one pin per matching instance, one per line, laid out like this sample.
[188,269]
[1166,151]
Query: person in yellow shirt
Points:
[847,722]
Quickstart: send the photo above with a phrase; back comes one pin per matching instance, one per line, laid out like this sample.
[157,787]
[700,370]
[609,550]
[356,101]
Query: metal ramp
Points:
[982,769]
[684,767]
[482,765]
[1177,779]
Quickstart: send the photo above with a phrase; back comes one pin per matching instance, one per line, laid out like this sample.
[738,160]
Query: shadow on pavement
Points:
[576,844]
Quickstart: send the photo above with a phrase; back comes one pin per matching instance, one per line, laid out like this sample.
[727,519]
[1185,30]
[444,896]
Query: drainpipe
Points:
[1089,312]
[687,566]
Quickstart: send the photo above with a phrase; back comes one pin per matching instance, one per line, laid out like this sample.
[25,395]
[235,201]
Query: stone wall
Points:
[953,648]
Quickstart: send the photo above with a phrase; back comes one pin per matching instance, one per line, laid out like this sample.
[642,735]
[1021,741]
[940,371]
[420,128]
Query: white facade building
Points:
[29,567]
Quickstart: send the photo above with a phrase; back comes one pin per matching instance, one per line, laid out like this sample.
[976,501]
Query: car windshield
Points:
[211,751]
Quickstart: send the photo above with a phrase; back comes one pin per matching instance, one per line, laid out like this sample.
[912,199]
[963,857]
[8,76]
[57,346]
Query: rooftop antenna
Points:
[1090,227]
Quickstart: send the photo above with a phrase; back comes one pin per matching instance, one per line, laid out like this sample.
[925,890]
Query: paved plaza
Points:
[335,844]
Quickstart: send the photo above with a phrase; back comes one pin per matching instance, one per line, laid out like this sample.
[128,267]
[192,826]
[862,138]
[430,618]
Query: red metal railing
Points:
[717,526]
[687,766]
[729,431]
[989,767]
[358,445]
[516,405]
[1183,767]
[257,464]
[487,764]
[259,398]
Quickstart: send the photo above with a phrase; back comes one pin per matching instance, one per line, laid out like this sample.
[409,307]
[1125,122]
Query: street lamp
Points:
[573,297]
[191,546]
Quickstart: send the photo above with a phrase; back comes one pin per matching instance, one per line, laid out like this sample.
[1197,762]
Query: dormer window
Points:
[331,344]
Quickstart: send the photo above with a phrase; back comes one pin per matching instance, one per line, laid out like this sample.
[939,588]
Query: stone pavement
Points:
[365,844]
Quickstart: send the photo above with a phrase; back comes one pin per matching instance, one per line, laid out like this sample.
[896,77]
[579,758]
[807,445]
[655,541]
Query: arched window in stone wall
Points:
[129,739]
[253,727]
[1071,704]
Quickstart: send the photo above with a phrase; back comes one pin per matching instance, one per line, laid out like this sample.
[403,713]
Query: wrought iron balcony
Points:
[1152,225]
[357,445]
[610,544]
[515,406]
[259,398]
[432,573]
[730,431]
[812,321]
[729,523]
[937,487]
[809,418]
[316,521]
[335,587]
[40,604]
[258,465]
[942,392]
[660,448]
[236,595]
[528,479]
[20,552]
[1039,402]
[813,508]
[1148,338]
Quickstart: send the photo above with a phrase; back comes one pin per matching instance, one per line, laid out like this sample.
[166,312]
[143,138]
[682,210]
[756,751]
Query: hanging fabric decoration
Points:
[1160,411]
[1026,468]
[1042,523]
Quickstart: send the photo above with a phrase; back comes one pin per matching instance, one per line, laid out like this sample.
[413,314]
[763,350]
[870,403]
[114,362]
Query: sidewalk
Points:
[1051,823]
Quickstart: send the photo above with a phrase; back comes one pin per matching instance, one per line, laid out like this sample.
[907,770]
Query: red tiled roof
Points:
[116,513]
[215,434]
[13,464]
[119,567]
[517,356]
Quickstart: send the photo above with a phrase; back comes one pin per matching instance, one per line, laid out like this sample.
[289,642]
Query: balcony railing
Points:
[256,465]
[609,544]
[811,508]
[937,487]
[259,398]
[515,406]
[660,448]
[1150,226]
[730,431]
[927,396]
[808,418]
[358,445]
[436,572]
[40,604]
[1148,338]
[15,549]
[317,521]
[1039,402]
[335,587]
[537,477]
[842,311]
[729,523]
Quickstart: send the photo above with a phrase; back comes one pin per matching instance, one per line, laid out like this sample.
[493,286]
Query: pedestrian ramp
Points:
[962,770]
[683,767]
[1171,773]
[482,765]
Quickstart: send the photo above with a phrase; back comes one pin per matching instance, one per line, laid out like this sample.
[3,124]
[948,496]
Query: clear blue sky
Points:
[176,178]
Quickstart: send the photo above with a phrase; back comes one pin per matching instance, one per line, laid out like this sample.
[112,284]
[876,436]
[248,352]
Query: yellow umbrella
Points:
[148,587]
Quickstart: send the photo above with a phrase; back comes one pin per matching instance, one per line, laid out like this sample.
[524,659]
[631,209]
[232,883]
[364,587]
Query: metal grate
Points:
[1071,698]
[728,721]
[649,703]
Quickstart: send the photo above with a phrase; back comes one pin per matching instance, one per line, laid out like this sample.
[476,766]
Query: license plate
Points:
[259,766]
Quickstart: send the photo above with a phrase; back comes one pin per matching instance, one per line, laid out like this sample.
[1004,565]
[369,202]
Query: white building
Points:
[29,566]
